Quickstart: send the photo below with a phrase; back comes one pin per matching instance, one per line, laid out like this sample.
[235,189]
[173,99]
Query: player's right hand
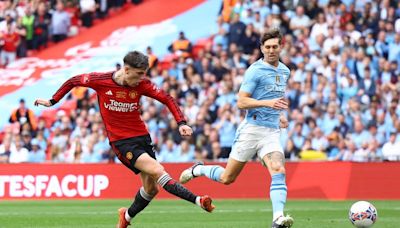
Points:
[279,103]
[43,102]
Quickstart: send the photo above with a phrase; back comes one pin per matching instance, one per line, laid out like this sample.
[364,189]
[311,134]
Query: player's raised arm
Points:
[153,91]
[79,80]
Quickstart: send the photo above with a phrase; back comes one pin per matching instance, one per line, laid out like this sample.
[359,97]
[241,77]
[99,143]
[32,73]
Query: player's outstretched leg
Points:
[278,194]
[213,172]
[175,188]
[278,189]
[142,199]
[151,167]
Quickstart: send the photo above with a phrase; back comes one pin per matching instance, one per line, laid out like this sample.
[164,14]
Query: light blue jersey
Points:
[265,82]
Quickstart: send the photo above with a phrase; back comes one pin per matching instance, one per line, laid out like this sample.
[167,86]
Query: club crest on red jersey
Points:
[129,155]
[132,94]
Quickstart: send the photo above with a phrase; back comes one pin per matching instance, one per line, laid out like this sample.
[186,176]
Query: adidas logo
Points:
[109,93]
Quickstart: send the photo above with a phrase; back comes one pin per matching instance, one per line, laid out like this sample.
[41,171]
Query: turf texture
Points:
[178,213]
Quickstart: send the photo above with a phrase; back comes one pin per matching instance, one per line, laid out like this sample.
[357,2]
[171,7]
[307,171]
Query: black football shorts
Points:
[129,150]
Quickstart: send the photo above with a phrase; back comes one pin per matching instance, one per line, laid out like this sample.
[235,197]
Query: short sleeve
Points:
[250,81]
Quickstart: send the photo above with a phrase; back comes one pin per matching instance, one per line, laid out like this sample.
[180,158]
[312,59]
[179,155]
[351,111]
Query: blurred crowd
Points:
[343,91]
[27,26]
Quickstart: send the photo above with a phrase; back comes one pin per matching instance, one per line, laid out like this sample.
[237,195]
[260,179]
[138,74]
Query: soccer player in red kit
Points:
[119,94]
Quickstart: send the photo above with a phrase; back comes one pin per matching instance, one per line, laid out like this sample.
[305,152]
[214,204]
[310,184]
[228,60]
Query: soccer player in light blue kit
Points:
[262,94]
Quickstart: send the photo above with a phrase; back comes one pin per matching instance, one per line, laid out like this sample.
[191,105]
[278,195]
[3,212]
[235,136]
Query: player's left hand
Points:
[185,130]
[283,122]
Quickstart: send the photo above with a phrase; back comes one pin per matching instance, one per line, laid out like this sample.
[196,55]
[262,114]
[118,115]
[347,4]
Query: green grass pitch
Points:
[177,213]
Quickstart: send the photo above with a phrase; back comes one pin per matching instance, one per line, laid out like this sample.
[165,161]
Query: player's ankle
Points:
[197,170]
[277,215]
[127,216]
[198,202]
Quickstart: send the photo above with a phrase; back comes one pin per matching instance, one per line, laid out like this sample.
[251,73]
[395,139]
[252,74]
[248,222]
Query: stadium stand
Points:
[27,27]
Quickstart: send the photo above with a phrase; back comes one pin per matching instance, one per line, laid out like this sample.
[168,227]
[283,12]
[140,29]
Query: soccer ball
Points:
[363,214]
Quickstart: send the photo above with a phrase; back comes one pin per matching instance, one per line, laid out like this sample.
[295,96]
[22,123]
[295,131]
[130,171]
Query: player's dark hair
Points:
[136,59]
[271,34]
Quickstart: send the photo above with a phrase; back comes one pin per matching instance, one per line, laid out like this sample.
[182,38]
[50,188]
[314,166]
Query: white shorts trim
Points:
[253,139]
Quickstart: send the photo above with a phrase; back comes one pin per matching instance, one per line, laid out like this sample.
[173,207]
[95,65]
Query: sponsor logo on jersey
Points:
[275,88]
[121,94]
[120,106]
[109,92]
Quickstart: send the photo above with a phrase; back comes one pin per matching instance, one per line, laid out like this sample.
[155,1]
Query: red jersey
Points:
[10,42]
[73,14]
[119,105]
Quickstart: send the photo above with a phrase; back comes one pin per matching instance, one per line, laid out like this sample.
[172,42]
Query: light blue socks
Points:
[211,171]
[278,193]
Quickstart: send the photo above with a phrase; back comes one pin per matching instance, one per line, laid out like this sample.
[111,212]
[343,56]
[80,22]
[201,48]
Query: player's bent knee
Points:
[227,180]
[157,172]
[276,162]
